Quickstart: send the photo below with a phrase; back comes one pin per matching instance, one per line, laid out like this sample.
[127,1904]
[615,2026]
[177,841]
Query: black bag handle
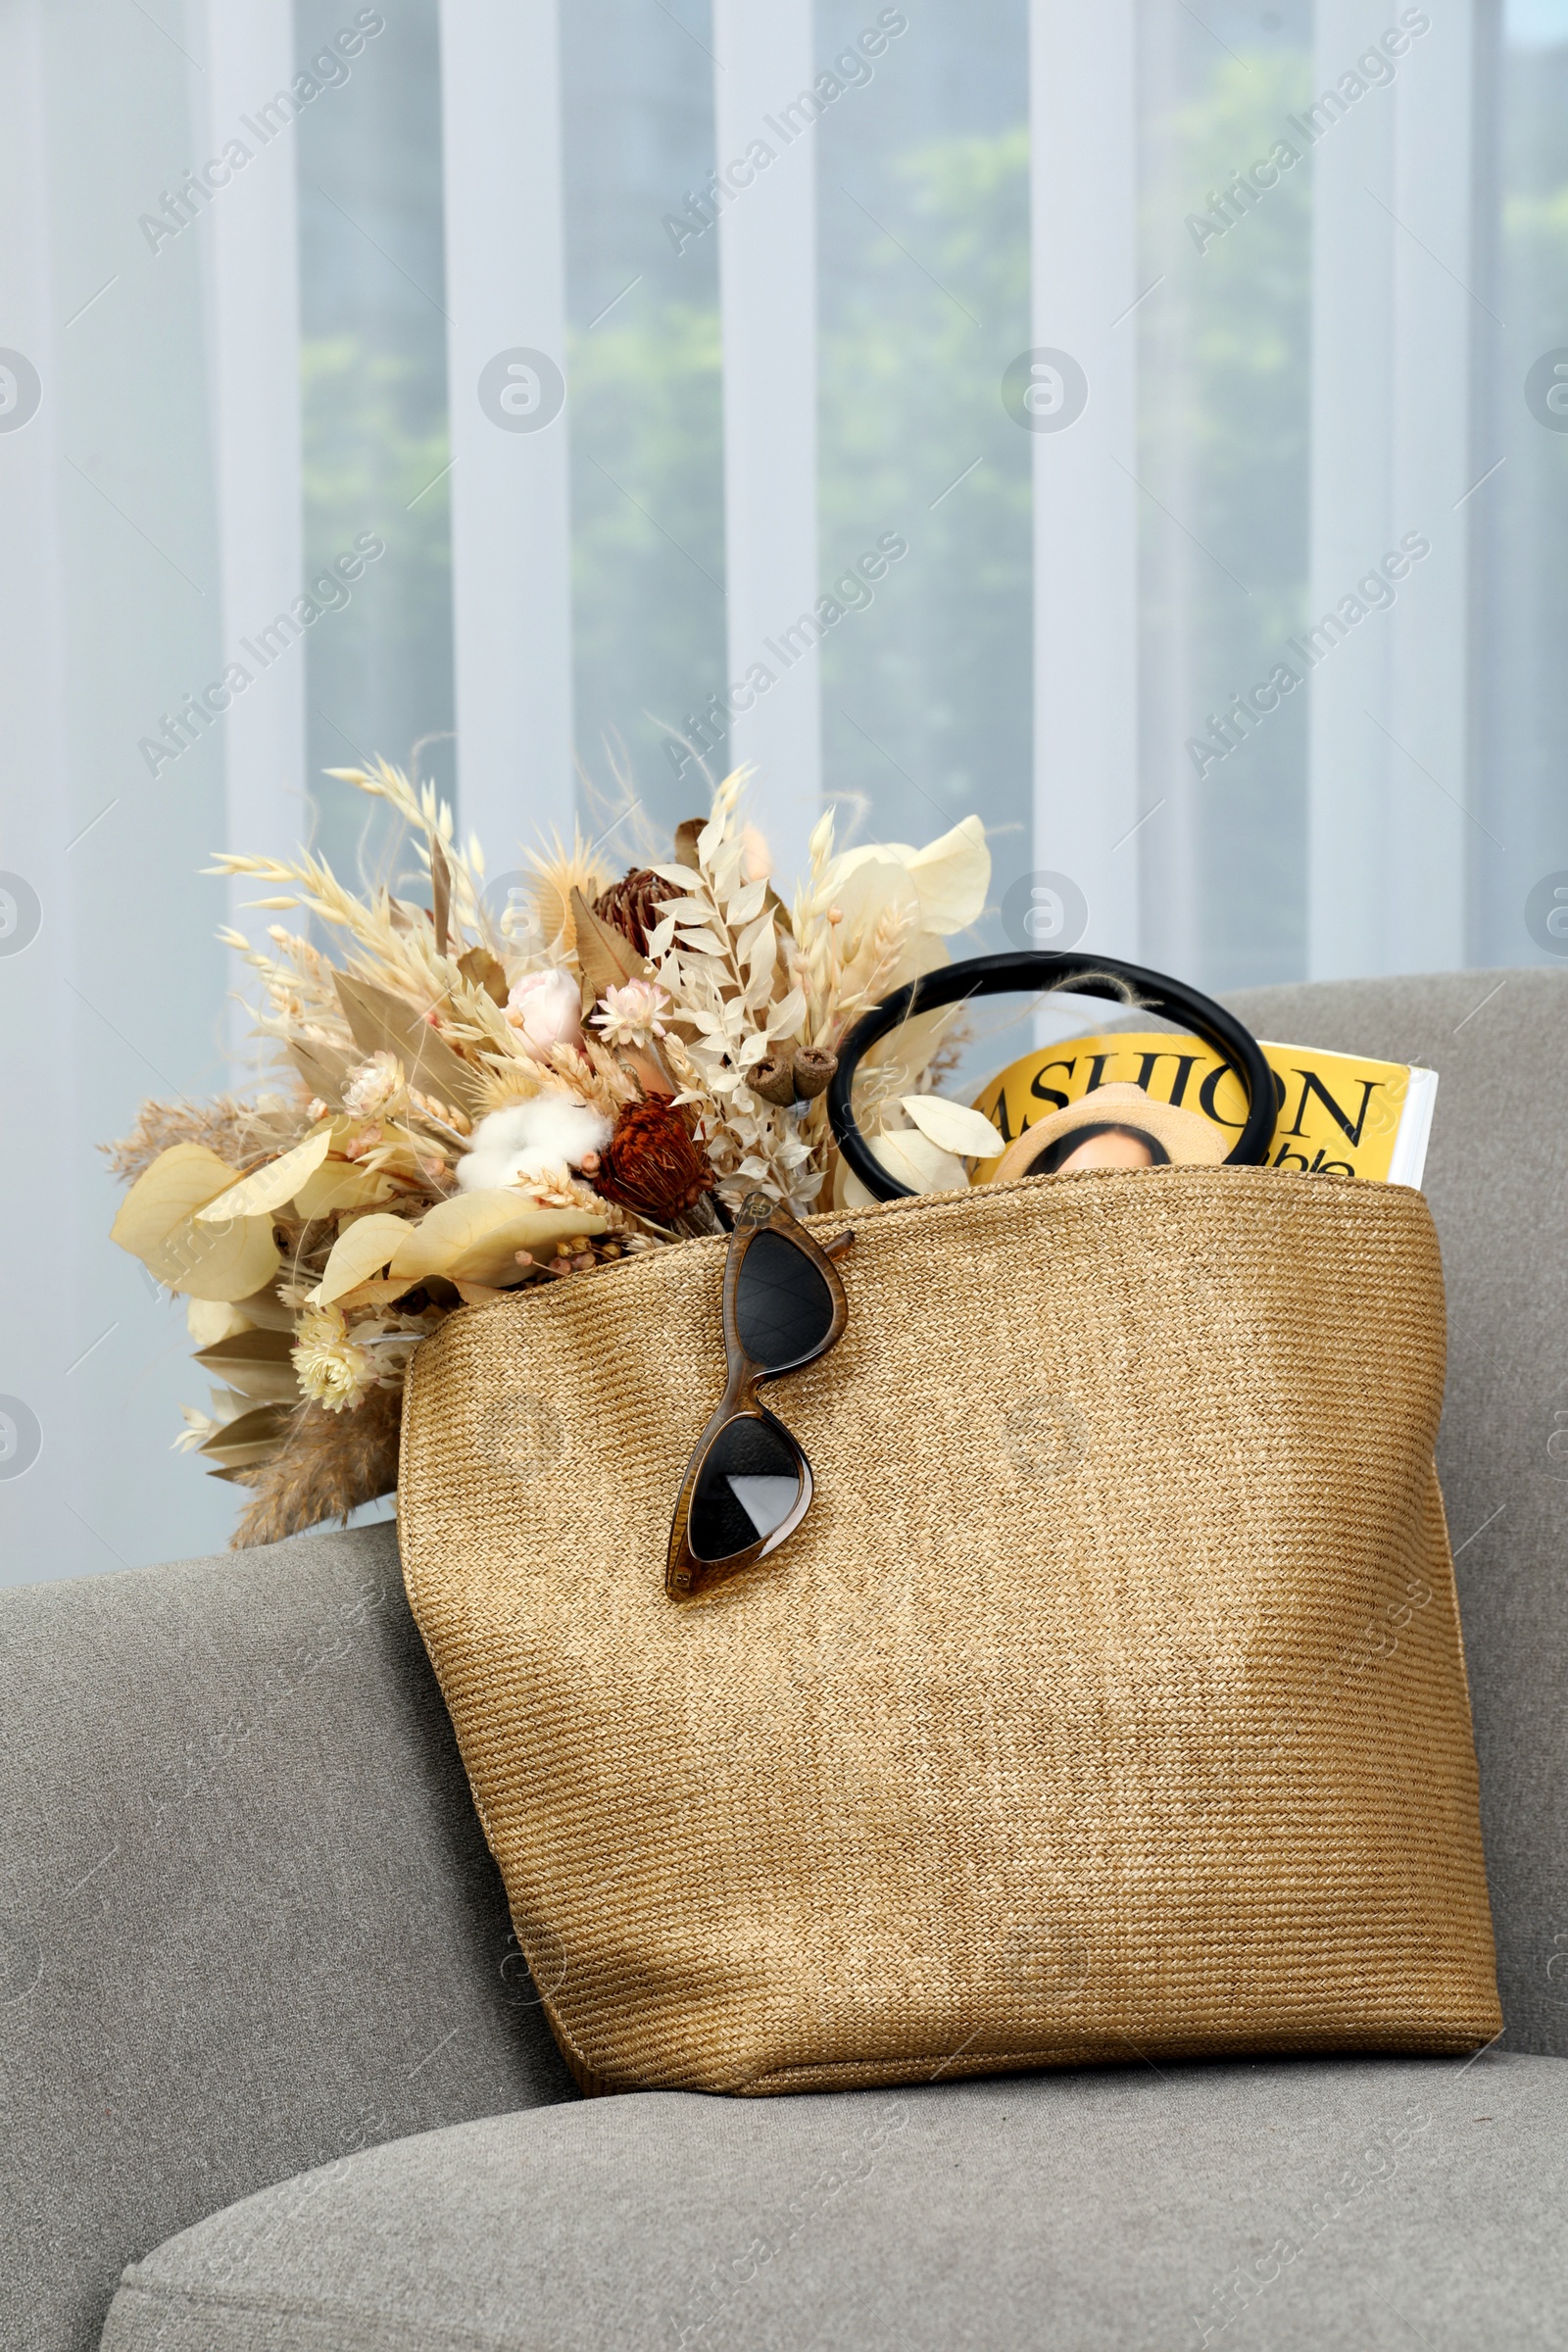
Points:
[1082,975]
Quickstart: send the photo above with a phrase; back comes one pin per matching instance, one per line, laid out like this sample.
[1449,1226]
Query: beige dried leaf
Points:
[381,1021]
[953,1127]
[252,1437]
[440,894]
[222,1261]
[209,1320]
[363,1249]
[702,940]
[476,1236]
[326,1068]
[372,1297]
[272,1186]
[180,1180]
[787,1016]
[918,1162]
[260,1365]
[339,1185]
[262,1308]
[481,970]
[748,901]
[605,956]
[560,872]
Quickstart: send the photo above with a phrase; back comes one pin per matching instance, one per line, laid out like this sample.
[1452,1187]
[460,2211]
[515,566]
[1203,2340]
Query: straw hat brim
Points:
[1188,1137]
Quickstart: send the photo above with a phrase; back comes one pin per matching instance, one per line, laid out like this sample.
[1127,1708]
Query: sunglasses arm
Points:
[838,1245]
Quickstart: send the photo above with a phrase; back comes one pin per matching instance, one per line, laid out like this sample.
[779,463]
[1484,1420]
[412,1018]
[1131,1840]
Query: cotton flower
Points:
[374,1086]
[331,1369]
[532,1141]
[630,1016]
[546,1006]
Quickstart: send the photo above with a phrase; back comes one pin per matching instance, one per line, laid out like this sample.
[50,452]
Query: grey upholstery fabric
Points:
[1497,1183]
[1373,2203]
[247,1917]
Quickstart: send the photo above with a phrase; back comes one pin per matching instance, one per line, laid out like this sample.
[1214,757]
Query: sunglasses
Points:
[748,1485]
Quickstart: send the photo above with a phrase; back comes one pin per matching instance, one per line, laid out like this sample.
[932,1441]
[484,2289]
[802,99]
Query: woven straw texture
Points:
[1110,1701]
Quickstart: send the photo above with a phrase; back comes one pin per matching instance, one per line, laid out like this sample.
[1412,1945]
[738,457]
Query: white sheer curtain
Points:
[1155,414]
[112,984]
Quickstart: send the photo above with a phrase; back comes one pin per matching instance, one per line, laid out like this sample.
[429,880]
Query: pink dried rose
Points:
[546,1006]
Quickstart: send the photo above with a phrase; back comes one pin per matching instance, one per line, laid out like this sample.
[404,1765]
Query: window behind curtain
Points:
[1521,585]
[647,486]
[1223,460]
[923,275]
[373,410]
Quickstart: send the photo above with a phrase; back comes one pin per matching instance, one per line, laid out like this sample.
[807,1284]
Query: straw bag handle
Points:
[1085,976]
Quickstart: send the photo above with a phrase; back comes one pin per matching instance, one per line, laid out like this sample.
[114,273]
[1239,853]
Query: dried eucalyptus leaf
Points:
[270,1186]
[180,1180]
[363,1249]
[217,1261]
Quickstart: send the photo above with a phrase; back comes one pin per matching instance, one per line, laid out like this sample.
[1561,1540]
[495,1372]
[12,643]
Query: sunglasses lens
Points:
[783,1307]
[749,1482]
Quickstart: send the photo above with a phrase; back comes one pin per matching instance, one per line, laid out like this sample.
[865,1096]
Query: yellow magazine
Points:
[1337,1114]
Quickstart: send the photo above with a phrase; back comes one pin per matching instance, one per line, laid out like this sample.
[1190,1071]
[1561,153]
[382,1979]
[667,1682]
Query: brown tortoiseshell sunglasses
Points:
[748,1485]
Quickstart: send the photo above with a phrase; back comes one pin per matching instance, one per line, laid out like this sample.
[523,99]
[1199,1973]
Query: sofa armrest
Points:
[248,1920]
[1498,1181]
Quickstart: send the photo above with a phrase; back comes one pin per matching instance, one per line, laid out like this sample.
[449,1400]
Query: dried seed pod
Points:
[774,1079]
[813,1071]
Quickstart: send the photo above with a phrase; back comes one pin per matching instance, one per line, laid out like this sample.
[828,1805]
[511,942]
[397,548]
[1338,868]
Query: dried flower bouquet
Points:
[468,1103]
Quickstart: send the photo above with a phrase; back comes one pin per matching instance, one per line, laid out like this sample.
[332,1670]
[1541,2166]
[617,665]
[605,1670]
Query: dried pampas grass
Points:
[329,1466]
[238,1132]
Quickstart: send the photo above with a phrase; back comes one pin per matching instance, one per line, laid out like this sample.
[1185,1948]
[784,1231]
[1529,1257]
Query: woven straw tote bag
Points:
[1108,1701]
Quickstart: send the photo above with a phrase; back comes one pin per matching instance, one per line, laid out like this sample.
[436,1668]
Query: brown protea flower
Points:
[652,1164]
[631,905]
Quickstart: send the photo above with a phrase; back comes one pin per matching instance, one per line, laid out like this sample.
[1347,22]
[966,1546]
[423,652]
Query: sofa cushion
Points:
[1497,1183]
[248,1920]
[1374,2202]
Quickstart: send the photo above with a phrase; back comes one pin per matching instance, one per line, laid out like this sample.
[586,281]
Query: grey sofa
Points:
[265,2037]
